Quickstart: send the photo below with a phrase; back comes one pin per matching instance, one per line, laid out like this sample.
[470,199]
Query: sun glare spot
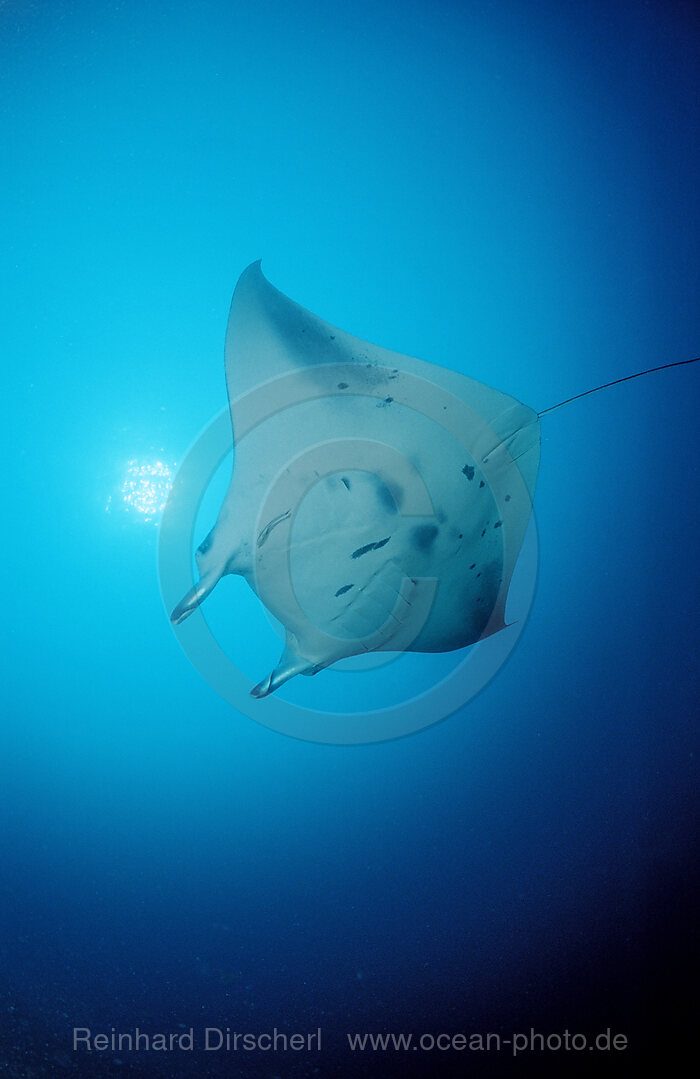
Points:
[145,489]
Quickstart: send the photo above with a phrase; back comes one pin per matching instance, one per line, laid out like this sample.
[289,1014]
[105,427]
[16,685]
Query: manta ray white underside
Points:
[383,510]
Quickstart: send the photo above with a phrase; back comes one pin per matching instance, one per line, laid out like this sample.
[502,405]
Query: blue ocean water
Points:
[509,190]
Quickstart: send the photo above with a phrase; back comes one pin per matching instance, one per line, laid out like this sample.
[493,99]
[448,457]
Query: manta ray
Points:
[377,502]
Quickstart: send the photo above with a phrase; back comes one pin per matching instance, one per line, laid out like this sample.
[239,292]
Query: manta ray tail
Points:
[617,381]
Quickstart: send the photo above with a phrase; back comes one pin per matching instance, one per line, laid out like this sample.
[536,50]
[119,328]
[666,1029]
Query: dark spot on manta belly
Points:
[206,543]
[342,385]
[423,536]
[507,498]
[388,498]
[483,533]
[370,547]
[468,471]
[346,481]
[385,402]
[344,589]
[498,524]
[482,484]
[473,565]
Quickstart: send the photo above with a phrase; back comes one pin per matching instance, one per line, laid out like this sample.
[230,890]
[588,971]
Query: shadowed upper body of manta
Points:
[377,502]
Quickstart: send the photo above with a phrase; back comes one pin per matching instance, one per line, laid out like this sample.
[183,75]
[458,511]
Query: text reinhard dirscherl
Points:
[210,1039]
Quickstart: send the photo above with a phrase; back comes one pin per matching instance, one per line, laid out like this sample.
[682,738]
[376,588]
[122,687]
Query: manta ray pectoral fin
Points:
[192,599]
[290,664]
